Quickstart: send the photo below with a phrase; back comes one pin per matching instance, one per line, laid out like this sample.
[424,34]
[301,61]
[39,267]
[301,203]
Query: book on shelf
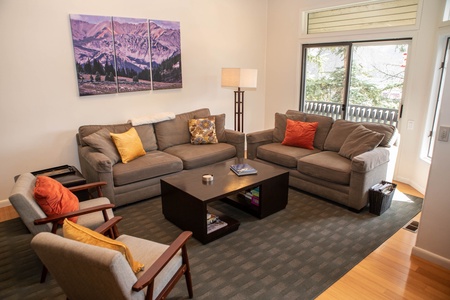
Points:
[216,225]
[211,218]
[243,169]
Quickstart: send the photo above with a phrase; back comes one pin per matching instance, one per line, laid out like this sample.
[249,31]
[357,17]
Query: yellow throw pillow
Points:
[128,144]
[85,235]
[203,131]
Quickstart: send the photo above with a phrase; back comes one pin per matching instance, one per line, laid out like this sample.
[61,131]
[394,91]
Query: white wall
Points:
[433,238]
[40,110]
[284,44]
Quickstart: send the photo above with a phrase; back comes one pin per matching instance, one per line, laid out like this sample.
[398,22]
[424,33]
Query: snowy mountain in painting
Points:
[165,43]
[92,41]
[131,45]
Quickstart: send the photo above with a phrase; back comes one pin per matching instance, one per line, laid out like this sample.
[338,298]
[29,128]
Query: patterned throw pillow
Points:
[203,131]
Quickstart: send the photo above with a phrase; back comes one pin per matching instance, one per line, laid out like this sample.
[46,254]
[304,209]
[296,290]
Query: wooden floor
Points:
[390,272]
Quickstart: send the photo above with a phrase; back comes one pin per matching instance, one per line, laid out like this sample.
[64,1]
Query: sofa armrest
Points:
[237,139]
[98,161]
[370,160]
[95,166]
[256,139]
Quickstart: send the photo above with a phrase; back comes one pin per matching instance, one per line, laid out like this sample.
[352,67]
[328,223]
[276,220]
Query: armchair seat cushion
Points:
[326,165]
[152,164]
[286,156]
[147,252]
[94,220]
[194,156]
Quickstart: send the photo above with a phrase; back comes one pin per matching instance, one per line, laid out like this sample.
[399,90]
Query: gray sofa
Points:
[324,171]
[168,151]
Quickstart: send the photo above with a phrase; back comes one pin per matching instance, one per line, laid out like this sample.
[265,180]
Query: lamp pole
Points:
[239,110]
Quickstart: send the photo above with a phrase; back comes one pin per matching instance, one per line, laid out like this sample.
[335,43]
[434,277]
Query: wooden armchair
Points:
[106,274]
[92,213]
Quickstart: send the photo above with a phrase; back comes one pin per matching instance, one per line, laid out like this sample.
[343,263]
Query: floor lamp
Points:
[240,78]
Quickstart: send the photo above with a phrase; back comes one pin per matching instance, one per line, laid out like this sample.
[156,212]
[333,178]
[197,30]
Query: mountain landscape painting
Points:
[114,54]
[132,54]
[166,54]
[93,46]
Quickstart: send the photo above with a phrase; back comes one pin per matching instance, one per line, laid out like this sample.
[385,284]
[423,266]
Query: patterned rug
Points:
[296,253]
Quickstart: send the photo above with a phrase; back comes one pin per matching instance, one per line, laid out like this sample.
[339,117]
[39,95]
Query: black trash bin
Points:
[380,197]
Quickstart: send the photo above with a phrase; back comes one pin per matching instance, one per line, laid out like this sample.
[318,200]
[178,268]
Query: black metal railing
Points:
[356,113]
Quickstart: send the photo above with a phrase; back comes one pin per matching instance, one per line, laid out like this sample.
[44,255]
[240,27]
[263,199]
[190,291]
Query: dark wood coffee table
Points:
[185,196]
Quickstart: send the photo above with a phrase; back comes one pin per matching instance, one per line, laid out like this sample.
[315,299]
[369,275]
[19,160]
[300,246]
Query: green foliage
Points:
[328,86]
[167,72]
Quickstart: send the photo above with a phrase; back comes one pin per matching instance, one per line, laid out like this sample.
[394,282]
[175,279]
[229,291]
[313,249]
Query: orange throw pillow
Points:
[55,199]
[300,134]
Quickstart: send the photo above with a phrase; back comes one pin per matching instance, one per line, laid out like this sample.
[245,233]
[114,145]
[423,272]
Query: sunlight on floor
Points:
[401,197]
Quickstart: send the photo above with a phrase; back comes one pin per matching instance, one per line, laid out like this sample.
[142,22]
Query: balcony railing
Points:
[356,113]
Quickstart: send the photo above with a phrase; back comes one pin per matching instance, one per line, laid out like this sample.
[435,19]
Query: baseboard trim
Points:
[4,203]
[431,257]
[419,188]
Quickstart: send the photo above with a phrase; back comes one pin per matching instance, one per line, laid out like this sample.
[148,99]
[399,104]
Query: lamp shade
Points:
[236,77]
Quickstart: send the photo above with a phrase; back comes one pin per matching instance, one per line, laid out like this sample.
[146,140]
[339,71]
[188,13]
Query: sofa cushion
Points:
[146,133]
[342,128]
[282,155]
[359,141]
[152,164]
[300,134]
[101,141]
[390,132]
[86,130]
[280,124]
[176,132]
[128,144]
[194,156]
[220,126]
[326,165]
[203,131]
[323,129]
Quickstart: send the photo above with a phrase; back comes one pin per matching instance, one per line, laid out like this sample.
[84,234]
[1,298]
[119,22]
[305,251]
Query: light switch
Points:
[443,133]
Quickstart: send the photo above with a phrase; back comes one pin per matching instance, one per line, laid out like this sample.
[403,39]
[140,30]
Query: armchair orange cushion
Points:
[53,198]
[300,134]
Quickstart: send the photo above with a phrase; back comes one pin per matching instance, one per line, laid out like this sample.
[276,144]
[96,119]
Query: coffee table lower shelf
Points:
[232,225]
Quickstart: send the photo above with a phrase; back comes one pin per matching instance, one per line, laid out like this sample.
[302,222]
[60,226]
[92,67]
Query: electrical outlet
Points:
[443,133]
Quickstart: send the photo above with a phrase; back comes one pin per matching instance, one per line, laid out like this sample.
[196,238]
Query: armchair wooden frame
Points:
[147,279]
[56,220]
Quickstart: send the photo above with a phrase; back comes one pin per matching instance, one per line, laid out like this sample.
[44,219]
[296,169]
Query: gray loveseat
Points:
[168,151]
[325,170]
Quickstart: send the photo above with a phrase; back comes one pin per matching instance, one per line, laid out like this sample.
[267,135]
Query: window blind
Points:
[364,16]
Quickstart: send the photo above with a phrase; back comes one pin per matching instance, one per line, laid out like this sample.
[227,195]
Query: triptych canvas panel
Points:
[117,55]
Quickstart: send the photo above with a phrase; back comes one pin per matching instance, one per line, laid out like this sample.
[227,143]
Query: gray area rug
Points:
[296,253]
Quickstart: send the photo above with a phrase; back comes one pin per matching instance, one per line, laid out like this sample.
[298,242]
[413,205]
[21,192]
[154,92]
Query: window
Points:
[358,81]
[366,15]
